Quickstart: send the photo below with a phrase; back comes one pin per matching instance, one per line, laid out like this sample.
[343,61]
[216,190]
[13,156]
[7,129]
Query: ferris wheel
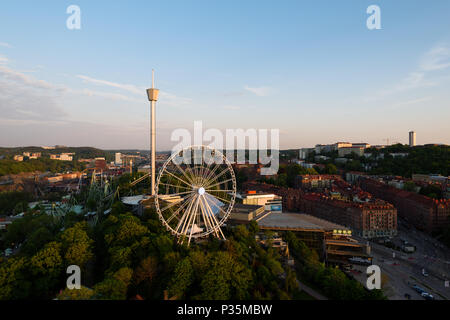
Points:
[195,193]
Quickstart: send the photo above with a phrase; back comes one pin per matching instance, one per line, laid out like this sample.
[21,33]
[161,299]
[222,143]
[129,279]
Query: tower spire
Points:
[153,78]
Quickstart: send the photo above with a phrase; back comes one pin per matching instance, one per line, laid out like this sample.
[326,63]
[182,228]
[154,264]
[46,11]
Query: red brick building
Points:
[370,220]
[424,213]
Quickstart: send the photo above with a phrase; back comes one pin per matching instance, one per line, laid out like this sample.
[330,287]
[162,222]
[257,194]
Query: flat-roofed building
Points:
[361,145]
[270,201]
[244,213]
[18,158]
[118,158]
[332,241]
[62,156]
[32,155]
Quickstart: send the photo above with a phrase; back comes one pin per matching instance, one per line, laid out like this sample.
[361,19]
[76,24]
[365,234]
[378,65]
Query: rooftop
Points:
[297,221]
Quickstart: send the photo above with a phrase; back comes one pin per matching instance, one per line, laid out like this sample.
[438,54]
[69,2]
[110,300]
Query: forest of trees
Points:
[14,202]
[124,255]
[420,160]
[42,165]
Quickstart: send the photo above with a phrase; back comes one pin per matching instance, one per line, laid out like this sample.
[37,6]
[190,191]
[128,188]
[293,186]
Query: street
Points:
[402,270]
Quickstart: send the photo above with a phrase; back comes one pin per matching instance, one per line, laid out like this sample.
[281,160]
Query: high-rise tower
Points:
[152,94]
[412,139]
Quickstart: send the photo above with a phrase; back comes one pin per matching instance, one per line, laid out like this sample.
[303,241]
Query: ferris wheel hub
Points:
[201,191]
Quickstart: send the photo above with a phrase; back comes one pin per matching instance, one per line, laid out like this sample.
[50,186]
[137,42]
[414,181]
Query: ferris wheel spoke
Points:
[179,209]
[206,172]
[220,190]
[190,214]
[221,174]
[173,185]
[213,218]
[185,217]
[204,213]
[179,194]
[189,169]
[212,172]
[221,199]
[173,204]
[168,172]
[183,172]
[192,222]
[209,213]
[219,183]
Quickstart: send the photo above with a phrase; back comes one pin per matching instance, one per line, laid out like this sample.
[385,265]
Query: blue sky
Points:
[309,68]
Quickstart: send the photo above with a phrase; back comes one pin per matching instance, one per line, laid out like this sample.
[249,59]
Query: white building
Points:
[271,202]
[118,159]
[62,156]
[303,153]
[412,139]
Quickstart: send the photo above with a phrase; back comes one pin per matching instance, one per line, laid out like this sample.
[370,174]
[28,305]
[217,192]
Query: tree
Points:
[409,186]
[77,245]
[146,271]
[114,287]
[331,169]
[225,279]
[182,278]
[37,240]
[13,282]
[46,267]
[78,294]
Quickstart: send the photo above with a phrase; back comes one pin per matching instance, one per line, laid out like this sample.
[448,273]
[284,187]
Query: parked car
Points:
[427,296]
[418,289]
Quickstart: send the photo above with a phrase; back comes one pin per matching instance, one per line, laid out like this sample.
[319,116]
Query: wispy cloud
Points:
[105,95]
[165,97]
[6,45]
[259,91]
[18,102]
[230,107]
[411,102]
[19,77]
[3,60]
[438,58]
[413,80]
[126,87]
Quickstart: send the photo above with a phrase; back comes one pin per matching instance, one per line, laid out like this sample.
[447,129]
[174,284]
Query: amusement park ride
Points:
[193,194]
[195,190]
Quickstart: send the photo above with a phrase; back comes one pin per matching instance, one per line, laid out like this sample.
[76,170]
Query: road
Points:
[405,270]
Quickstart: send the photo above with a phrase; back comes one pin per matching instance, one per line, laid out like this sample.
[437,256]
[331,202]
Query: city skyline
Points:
[316,73]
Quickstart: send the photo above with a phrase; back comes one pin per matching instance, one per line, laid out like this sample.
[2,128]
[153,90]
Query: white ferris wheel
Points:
[195,193]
